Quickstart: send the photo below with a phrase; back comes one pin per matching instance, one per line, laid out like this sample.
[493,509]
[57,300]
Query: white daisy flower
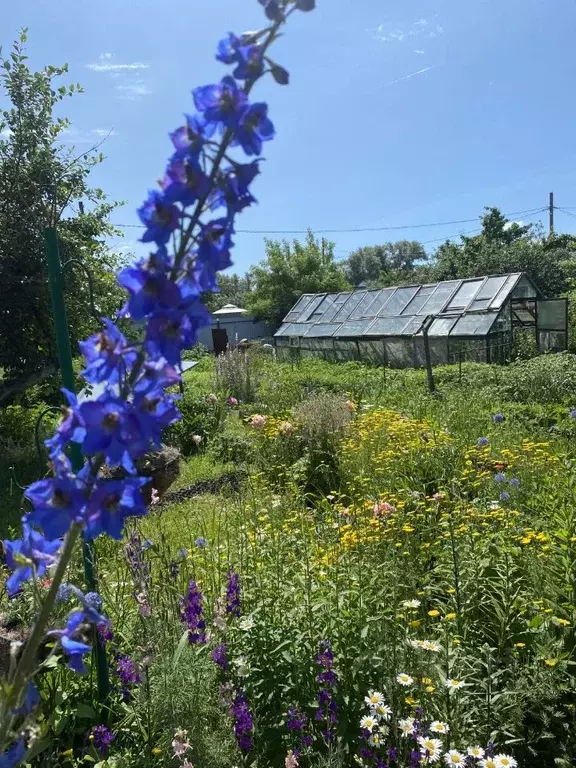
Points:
[454,758]
[476,752]
[404,679]
[411,603]
[454,685]
[437,726]
[416,643]
[374,698]
[375,740]
[488,762]
[407,726]
[505,761]
[430,645]
[246,624]
[368,722]
[430,748]
[384,730]
[382,711]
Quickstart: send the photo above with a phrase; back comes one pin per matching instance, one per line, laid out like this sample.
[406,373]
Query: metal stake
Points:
[56,282]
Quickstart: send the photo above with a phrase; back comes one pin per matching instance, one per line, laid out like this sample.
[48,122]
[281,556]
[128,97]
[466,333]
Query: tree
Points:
[289,271]
[504,246]
[233,290]
[387,264]
[43,184]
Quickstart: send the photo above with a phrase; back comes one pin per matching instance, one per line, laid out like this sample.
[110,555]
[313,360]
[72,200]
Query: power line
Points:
[527,212]
[566,212]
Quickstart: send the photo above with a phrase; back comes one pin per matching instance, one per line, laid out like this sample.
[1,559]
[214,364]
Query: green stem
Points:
[28,658]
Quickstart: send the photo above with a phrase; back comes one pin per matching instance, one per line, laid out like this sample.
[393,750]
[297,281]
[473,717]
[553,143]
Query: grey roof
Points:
[466,307]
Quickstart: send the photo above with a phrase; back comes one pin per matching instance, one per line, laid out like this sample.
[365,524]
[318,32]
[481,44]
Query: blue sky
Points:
[399,112]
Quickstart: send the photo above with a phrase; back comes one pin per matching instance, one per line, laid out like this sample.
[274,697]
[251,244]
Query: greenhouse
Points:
[474,319]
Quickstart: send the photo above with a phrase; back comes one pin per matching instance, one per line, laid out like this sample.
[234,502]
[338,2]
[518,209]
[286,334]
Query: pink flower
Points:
[232,401]
[196,439]
[154,497]
[352,407]
[180,745]
[291,760]
[258,421]
[143,605]
[382,508]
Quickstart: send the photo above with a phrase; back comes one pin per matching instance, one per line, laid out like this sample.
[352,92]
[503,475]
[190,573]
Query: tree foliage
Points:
[42,183]
[503,246]
[387,264]
[288,271]
[234,289]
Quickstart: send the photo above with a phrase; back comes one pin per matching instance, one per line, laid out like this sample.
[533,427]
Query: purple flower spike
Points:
[233,594]
[193,615]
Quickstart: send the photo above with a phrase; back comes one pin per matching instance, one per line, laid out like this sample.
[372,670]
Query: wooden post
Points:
[429,372]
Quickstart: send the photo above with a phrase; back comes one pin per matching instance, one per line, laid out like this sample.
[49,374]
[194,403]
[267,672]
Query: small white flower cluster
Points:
[375,722]
[426,645]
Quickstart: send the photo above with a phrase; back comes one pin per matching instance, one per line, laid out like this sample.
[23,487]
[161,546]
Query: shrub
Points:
[202,416]
[237,372]
[546,379]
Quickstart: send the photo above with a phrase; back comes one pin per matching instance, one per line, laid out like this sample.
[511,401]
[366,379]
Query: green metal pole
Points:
[56,282]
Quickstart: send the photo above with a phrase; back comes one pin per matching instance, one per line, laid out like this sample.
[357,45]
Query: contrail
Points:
[407,77]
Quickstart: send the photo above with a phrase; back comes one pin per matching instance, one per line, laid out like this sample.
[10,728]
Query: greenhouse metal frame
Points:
[466,319]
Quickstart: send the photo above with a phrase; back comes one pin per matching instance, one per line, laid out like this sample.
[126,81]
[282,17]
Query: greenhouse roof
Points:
[459,307]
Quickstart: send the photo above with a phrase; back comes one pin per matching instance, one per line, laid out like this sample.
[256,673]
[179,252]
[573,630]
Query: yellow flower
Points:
[434,613]
[410,701]
[550,662]
[450,616]
[519,645]
[415,624]
[69,752]
[426,681]
[430,689]
[562,622]
[156,751]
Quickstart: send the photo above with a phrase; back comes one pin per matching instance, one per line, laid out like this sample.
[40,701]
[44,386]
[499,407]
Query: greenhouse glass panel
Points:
[439,298]
[299,307]
[474,325]
[524,289]
[464,295]
[551,341]
[552,314]
[379,302]
[361,309]
[323,308]
[389,326]
[399,353]
[441,326]
[414,306]
[399,300]
[349,307]
[372,351]
[293,329]
[354,327]
[322,329]
[307,312]
[504,292]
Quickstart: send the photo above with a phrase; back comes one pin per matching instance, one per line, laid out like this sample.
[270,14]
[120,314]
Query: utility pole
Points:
[551,213]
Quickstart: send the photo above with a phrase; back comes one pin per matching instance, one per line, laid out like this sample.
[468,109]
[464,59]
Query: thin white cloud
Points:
[133,91]
[421,28]
[109,66]
[407,77]
[103,132]
[420,53]
[72,135]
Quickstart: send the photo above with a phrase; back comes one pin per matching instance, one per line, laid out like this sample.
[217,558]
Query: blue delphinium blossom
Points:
[72,641]
[221,104]
[14,755]
[514,482]
[93,599]
[254,127]
[243,722]
[483,441]
[498,418]
[128,674]
[189,139]
[193,615]
[200,542]
[220,657]
[106,353]
[111,502]
[159,217]
[233,187]
[31,700]
[499,477]
[326,677]
[64,593]
[149,286]
[573,413]
[233,594]
[504,496]
[102,738]
[245,53]
[57,502]
[28,557]
[185,182]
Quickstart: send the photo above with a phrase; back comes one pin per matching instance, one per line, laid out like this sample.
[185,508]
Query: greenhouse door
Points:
[552,325]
